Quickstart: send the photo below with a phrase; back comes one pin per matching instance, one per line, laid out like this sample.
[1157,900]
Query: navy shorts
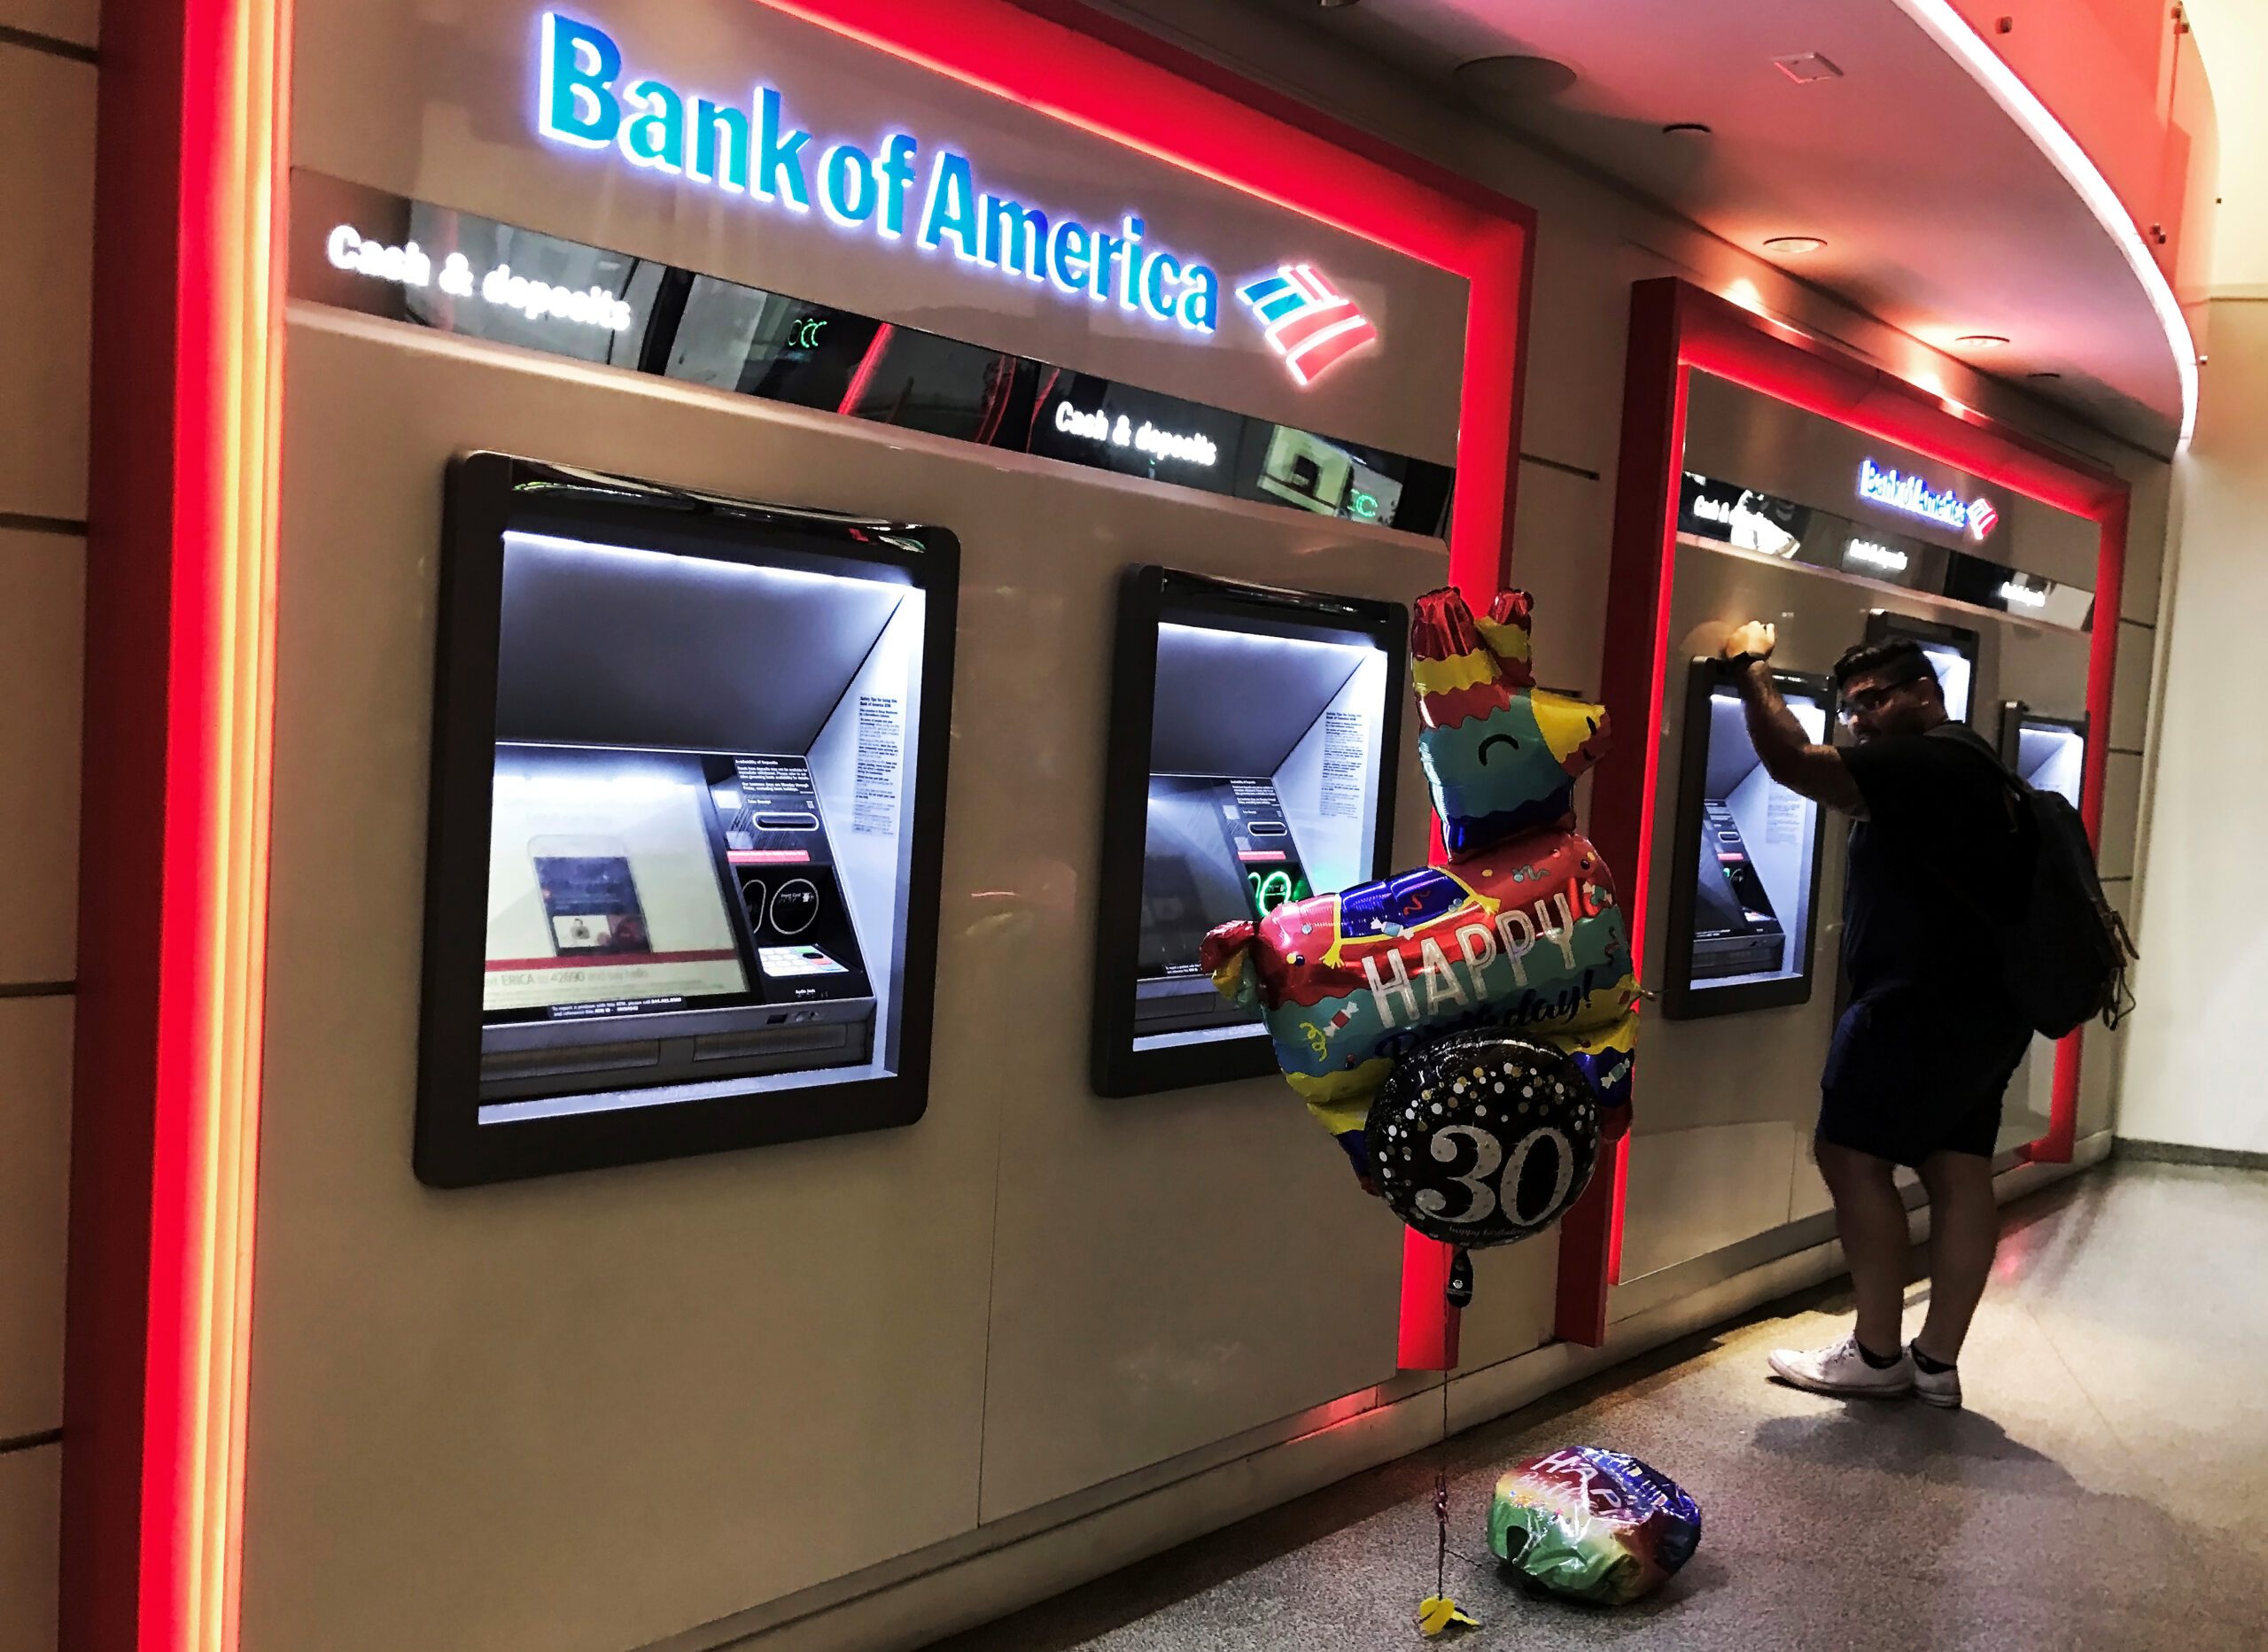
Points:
[1908,1076]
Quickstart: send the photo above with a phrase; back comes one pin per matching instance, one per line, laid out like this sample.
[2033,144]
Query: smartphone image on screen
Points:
[589,895]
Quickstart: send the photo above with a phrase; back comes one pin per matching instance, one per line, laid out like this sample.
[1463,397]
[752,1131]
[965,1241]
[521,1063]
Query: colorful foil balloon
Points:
[1484,1138]
[1520,930]
[1594,1524]
[1501,755]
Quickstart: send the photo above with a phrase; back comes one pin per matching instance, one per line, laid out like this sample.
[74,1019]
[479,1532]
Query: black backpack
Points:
[2064,952]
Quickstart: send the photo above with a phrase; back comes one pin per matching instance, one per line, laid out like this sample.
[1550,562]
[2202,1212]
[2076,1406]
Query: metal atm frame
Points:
[1150,596]
[1680,999]
[489,496]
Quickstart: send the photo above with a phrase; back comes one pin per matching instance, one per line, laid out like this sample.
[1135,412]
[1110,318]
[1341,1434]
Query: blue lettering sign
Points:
[583,99]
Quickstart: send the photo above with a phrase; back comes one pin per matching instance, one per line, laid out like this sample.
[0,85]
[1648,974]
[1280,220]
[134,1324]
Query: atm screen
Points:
[1746,900]
[1217,850]
[622,881]
[2048,754]
[1951,651]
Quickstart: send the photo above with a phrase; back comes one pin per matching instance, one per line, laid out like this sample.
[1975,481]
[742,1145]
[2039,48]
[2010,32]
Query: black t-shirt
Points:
[1937,852]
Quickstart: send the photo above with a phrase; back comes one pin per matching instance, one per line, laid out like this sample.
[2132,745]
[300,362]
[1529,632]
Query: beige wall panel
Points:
[2044,666]
[73,20]
[1560,553]
[1693,1191]
[2105,1057]
[47,201]
[775,1358]
[31,1487]
[43,600]
[2121,799]
[2149,530]
[2130,688]
[1579,316]
[437,102]
[1173,1269]
[1515,1296]
[2196,1045]
[34,1178]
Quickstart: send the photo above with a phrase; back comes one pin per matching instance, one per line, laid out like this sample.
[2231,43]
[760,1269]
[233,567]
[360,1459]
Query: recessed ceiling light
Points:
[1331,4]
[1686,129]
[1981,341]
[1794,246]
[1492,82]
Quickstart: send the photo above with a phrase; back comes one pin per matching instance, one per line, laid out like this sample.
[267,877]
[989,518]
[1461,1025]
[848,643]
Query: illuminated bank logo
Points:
[1310,323]
[903,196]
[1916,498]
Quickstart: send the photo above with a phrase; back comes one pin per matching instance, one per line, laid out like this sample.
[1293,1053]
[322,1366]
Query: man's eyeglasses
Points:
[1864,701]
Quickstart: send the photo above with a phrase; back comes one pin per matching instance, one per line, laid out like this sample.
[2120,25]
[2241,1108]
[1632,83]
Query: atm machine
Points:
[1951,650]
[683,883]
[1743,907]
[1254,736]
[2048,753]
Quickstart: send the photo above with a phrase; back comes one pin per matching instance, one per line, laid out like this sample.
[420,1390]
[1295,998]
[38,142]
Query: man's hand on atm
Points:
[1755,640]
[1789,754]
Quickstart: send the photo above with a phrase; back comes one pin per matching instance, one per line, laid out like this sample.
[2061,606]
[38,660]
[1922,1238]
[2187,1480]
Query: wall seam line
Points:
[38,989]
[53,45]
[31,1442]
[23,522]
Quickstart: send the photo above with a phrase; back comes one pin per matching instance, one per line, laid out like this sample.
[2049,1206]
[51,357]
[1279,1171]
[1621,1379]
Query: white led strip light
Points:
[1946,26]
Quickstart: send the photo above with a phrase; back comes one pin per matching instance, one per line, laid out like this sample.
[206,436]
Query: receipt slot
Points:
[689,779]
[1254,738]
[1743,908]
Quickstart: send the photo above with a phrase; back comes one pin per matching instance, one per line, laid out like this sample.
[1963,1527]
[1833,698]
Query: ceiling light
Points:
[1490,82]
[1794,246]
[1981,341]
[1686,129]
[1332,5]
[1805,67]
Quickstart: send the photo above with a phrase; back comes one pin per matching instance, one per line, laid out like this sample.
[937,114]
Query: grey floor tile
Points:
[2107,1488]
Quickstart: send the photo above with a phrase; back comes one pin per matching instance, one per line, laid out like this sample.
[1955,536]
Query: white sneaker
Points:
[1935,1388]
[1840,1368]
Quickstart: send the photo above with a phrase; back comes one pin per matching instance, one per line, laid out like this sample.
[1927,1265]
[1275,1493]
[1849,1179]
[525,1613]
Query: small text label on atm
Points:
[585,98]
[1098,427]
[348,249]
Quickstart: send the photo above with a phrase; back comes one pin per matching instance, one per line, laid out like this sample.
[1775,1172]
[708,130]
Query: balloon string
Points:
[1441,1499]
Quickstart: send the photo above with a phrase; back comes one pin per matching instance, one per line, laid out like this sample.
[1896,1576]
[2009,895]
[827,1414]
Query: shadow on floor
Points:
[1868,1524]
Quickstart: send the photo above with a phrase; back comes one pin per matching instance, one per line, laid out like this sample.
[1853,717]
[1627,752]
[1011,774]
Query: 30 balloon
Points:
[1484,1138]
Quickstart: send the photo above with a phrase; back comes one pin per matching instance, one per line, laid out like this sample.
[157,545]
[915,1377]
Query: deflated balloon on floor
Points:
[1593,1525]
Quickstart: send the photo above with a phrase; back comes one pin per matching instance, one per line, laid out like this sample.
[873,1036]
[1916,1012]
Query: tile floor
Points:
[2108,1486]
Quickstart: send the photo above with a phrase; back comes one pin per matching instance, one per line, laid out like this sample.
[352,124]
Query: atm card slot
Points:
[796,821]
[1267,829]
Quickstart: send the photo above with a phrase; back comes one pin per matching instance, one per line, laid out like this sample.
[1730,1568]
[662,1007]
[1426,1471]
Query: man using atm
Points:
[1921,1057]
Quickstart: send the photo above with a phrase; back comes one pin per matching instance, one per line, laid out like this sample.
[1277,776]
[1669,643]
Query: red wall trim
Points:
[1676,328]
[138,161]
